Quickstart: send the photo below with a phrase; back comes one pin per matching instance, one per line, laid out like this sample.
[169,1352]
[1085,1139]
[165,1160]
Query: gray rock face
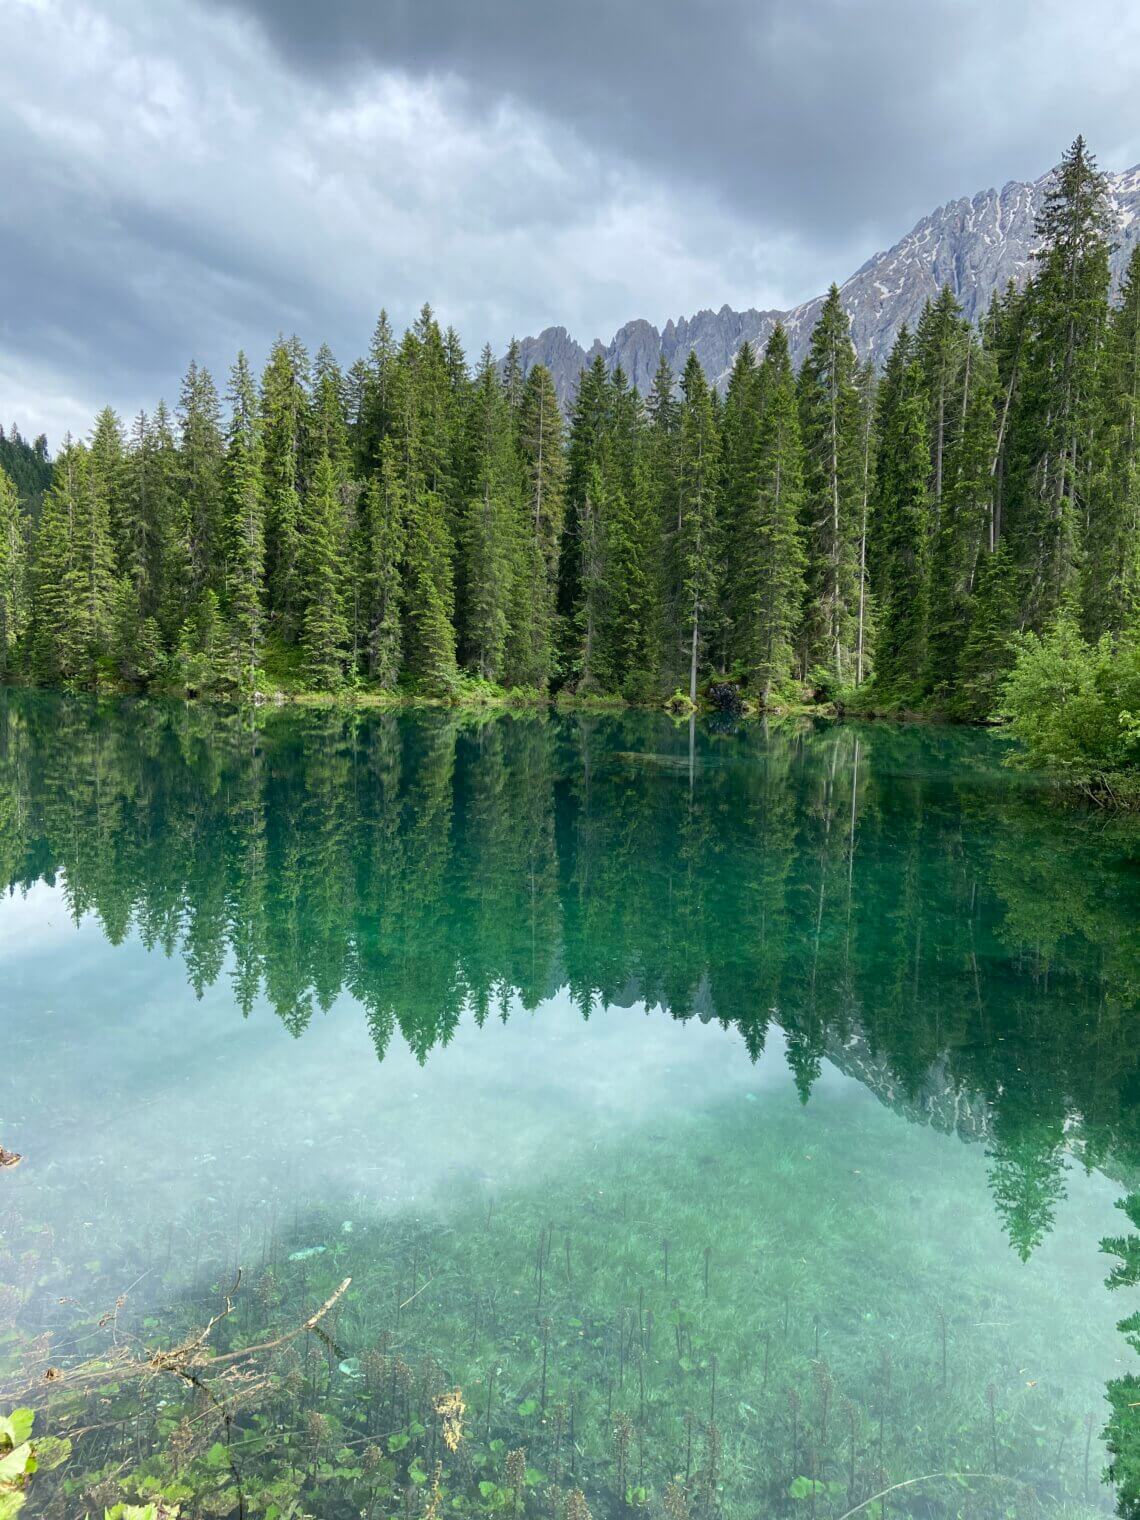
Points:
[975,246]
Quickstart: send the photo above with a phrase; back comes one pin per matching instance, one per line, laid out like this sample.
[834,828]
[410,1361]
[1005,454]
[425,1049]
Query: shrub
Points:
[1075,706]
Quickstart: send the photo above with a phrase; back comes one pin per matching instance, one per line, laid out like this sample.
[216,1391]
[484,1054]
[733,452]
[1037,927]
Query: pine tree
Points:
[1111,591]
[328,431]
[141,517]
[866,386]
[696,547]
[489,535]
[833,455]
[51,567]
[962,533]
[284,430]
[324,629]
[985,658]
[374,414]
[13,565]
[940,348]
[107,461]
[580,561]
[627,649]
[901,556]
[75,574]
[422,408]
[201,451]
[155,483]
[541,446]
[1058,439]
[386,541]
[245,523]
[743,405]
[767,543]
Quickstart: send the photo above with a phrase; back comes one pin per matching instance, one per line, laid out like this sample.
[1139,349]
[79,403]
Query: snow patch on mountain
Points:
[975,245]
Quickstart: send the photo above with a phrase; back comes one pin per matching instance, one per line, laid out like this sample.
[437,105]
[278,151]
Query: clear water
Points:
[733,1118]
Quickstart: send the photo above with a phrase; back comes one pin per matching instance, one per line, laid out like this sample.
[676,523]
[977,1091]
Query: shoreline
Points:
[1110,793]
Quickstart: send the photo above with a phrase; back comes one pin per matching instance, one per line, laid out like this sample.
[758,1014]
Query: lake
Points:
[714,1119]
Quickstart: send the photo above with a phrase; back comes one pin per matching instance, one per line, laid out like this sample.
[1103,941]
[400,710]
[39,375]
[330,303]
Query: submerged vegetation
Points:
[787,1298]
[412,529]
[552,1353]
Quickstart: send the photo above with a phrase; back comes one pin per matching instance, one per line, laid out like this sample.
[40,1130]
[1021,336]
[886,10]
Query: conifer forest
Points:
[416,524]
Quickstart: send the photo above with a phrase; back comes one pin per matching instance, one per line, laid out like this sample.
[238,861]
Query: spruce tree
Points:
[940,347]
[141,517]
[156,480]
[324,629]
[742,411]
[768,541]
[1111,591]
[285,423]
[386,541]
[1058,439]
[985,657]
[541,446]
[490,526]
[580,560]
[961,536]
[901,557]
[422,432]
[696,548]
[13,565]
[75,574]
[833,455]
[373,408]
[244,536]
[628,635]
[866,386]
[201,451]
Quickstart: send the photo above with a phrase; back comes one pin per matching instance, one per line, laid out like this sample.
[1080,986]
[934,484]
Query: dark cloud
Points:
[816,117]
[180,181]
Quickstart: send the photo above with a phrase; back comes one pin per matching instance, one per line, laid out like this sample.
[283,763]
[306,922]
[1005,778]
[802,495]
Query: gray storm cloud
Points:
[182,181]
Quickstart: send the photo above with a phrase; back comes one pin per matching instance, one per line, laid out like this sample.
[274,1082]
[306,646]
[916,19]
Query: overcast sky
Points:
[183,179]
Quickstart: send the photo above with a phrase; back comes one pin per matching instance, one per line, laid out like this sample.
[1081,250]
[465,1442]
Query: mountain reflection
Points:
[892,898]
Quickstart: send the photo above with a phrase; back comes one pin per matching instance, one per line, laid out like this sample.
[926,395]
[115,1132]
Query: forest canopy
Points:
[891,540]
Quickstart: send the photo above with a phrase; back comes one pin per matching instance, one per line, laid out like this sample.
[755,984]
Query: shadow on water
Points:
[729,1119]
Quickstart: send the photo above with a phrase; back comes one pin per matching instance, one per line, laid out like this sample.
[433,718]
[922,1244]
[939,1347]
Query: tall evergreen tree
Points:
[833,455]
[201,451]
[285,425]
[742,410]
[422,412]
[541,446]
[580,561]
[245,523]
[490,537]
[767,542]
[1057,435]
[961,535]
[13,566]
[1111,591]
[696,548]
[324,629]
[901,558]
[385,554]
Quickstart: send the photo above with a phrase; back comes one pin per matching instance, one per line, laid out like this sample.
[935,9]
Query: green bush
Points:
[1075,706]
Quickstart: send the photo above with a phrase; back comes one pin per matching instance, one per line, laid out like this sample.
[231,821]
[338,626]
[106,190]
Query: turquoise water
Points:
[732,1121]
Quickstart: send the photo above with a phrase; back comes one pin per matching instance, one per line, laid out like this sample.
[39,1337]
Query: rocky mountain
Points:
[975,246]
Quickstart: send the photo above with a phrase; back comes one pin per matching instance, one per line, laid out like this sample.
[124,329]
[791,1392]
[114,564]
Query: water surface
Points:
[736,1119]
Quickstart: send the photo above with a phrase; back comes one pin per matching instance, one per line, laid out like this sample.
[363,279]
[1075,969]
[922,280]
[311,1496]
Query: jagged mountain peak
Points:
[975,244]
